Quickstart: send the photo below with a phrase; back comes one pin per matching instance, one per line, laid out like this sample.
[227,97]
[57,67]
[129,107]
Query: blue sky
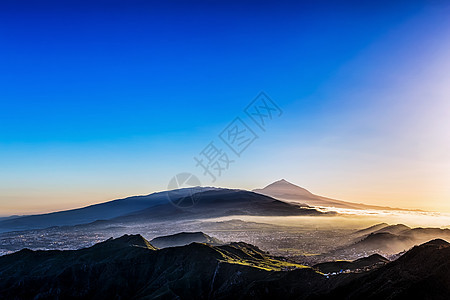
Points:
[104,99]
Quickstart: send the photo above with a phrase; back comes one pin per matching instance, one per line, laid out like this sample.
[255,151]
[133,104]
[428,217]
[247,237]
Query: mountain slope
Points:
[394,229]
[102,211]
[391,239]
[130,268]
[371,229]
[184,238]
[285,190]
[421,273]
[222,202]
[342,265]
[123,268]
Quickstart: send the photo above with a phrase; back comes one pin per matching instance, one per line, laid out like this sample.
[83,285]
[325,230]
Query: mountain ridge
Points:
[184,238]
[421,273]
[212,202]
[118,268]
[100,211]
[287,191]
[390,239]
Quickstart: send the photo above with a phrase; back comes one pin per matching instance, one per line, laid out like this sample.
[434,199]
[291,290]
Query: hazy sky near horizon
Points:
[106,99]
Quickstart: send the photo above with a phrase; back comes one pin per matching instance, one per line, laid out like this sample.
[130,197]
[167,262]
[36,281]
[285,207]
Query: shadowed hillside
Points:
[421,273]
[129,267]
[342,265]
[211,202]
[184,238]
[391,239]
[101,211]
[223,202]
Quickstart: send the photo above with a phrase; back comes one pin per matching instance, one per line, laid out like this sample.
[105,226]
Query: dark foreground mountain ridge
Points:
[421,273]
[130,267]
[184,238]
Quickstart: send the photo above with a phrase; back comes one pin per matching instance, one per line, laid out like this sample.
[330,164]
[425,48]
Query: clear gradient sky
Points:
[106,99]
